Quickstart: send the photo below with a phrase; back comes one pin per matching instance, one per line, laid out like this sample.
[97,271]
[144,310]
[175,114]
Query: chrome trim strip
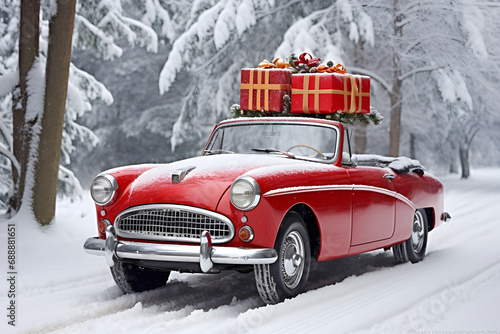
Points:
[157,252]
[353,187]
[187,253]
[195,210]
[206,252]
[387,192]
[110,246]
[230,255]
[305,189]
[183,253]
[94,246]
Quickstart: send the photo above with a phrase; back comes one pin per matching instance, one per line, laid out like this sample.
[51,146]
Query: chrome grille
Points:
[173,223]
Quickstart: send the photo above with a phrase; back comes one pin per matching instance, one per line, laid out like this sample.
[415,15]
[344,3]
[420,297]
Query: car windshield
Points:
[294,140]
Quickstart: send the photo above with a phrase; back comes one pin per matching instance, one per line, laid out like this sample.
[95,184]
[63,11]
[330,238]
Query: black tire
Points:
[131,278]
[287,277]
[413,249]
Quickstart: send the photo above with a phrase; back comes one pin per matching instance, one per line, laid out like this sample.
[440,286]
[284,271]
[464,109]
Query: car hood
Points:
[206,180]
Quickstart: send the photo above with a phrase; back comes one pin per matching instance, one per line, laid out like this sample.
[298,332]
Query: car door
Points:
[373,204]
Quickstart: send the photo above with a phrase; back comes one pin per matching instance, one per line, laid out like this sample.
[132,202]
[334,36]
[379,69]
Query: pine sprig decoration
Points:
[287,104]
[235,110]
[238,112]
[374,117]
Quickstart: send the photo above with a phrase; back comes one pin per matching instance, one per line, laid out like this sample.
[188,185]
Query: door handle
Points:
[389,176]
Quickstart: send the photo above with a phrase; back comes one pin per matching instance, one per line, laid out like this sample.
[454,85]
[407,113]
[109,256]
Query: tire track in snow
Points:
[173,302]
[63,284]
[97,306]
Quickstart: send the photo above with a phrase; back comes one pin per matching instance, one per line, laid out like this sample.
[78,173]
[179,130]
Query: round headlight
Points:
[245,193]
[103,189]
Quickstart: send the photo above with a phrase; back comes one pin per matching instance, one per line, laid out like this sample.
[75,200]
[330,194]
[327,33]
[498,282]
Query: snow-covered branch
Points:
[180,53]
[154,12]
[372,75]
[88,35]
[216,26]
[319,34]
[5,132]
[432,36]
[146,35]
[7,153]
[418,70]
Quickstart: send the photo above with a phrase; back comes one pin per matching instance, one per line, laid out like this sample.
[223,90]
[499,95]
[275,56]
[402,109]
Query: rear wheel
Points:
[131,278]
[287,277]
[413,249]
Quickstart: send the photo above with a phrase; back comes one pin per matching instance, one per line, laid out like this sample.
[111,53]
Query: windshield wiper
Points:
[273,150]
[218,151]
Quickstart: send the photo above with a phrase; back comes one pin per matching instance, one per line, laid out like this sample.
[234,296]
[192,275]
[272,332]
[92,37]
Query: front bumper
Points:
[204,254]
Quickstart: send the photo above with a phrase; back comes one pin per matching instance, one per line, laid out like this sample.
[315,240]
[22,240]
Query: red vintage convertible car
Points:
[267,194]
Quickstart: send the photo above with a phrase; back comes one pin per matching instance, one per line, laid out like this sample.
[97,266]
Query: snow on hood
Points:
[202,186]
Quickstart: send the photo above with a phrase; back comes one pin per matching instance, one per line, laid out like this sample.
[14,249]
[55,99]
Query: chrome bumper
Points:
[204,254]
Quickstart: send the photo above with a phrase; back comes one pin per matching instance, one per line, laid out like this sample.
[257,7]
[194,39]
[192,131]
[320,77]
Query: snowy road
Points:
[456,288]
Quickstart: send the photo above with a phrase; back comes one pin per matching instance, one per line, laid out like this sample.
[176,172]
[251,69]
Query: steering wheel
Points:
[309,147]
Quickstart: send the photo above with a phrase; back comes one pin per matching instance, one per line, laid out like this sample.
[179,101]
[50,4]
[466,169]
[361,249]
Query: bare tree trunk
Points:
[413,149]
[470,131]
[56,86]
[21,131]
[396,97]
[453,161]
[464,161]
[360,139]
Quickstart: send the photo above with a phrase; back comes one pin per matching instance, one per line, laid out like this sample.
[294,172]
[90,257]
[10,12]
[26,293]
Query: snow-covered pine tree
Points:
[155,15]
[99,24]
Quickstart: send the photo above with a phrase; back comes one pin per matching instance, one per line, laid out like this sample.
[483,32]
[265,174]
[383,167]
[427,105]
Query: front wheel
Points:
[414,248]
[287,277]
[131,278]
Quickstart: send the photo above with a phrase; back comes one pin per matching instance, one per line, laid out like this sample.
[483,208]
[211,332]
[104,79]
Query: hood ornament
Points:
[180,173]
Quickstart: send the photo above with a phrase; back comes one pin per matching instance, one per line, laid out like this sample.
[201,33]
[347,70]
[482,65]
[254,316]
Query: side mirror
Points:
[348,160]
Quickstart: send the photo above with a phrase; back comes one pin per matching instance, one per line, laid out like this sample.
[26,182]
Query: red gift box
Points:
[263,89]
[325,93]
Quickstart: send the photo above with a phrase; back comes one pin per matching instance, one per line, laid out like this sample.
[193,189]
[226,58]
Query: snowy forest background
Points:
[149,80]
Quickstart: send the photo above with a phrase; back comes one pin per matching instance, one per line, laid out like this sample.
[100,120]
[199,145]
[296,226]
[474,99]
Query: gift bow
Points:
[306,59]
[339,68]
[277,63]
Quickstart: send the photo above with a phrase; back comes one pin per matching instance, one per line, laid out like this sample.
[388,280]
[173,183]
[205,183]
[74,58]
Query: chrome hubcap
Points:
[293,254]
[417,235]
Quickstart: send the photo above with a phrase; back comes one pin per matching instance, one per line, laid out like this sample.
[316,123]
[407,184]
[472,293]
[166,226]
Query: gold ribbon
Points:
[277,63]
[354,93]
[259,86]
[339,68]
